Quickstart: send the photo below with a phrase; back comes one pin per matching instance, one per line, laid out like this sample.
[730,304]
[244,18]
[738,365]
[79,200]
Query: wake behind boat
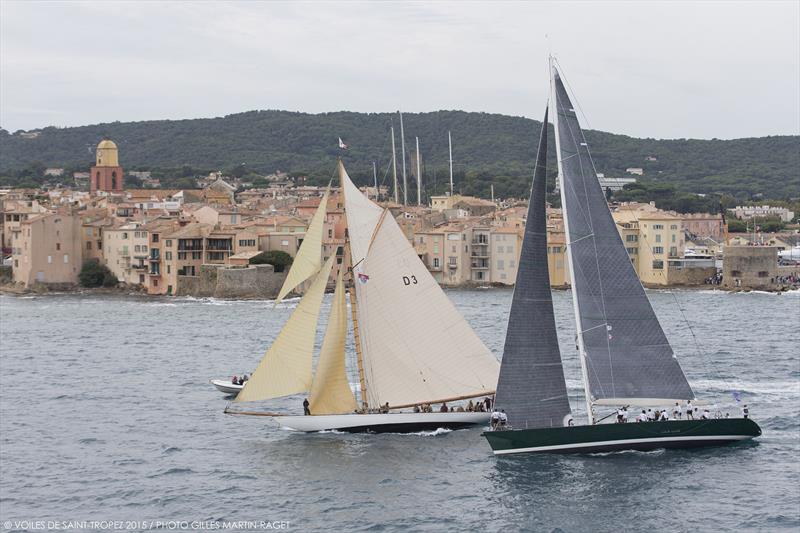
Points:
[626,359]
[412,347]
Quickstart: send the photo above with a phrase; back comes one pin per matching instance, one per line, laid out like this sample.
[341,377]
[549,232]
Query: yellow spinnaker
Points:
[309,256]
[286,367]
[330,390]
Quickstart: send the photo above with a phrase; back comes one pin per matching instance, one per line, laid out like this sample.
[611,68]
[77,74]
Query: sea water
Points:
[107,420]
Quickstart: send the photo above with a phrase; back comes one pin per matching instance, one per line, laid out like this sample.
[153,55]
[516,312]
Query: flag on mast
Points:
[342,145]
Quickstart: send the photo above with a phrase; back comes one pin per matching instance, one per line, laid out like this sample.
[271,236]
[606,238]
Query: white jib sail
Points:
[286,367]
[362,217]
[330,390]
[309,257]
[416,345]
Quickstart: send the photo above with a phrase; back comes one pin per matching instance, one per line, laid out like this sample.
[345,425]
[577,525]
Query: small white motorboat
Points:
[225,386]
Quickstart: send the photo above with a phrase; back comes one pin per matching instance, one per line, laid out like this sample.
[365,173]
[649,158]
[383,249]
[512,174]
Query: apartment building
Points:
[505,248]
[46,248]
[652,238]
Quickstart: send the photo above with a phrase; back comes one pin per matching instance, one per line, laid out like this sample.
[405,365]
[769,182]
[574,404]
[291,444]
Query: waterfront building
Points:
[505,248]
[46,249]
[652,238]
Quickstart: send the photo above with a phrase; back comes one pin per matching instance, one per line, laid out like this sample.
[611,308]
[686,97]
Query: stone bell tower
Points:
[106,175]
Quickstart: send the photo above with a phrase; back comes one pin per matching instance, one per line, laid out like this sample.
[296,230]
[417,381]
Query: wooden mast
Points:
[348,260]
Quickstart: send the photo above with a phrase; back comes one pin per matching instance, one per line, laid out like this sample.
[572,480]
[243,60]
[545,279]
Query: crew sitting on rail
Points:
[385,408]
[443,408]
[642,417]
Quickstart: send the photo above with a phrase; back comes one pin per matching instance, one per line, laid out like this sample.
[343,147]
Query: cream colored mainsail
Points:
[416,345]
[330,390]
[286,367]
[362,217]
[309,257]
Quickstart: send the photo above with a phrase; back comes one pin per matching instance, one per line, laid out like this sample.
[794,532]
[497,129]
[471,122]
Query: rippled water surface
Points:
[106,413]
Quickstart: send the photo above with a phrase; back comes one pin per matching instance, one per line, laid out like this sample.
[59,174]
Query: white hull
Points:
[226,386]
[382,423]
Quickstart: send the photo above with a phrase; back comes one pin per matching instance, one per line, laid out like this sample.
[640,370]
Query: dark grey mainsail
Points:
[626,354]
[531,387]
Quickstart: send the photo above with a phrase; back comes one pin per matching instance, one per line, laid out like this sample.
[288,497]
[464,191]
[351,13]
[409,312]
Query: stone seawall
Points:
[220,281]
[750,267]
[689,276]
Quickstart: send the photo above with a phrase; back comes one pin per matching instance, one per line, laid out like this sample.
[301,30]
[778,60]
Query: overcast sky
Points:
[667,70]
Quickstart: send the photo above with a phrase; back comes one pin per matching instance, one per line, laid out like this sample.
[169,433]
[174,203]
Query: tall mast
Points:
[419,176]
[403,153]
[348,260]
[450,144]
[394,169]
[375,179]
[491,186]
[581,349]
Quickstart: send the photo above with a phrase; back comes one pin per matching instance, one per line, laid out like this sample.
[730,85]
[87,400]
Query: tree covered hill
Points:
[487,149]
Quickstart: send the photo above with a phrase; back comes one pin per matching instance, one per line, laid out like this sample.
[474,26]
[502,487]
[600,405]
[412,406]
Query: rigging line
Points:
[568,86]
[594,240]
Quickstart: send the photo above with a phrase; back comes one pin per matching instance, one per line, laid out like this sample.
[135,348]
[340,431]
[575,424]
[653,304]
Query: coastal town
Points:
[207,241]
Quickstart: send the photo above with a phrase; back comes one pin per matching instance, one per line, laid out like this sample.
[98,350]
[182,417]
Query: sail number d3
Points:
[410,280]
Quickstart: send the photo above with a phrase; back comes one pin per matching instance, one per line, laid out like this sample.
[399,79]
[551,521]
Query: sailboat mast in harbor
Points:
[403,154]
[419,175]
[450,147]
[394,169]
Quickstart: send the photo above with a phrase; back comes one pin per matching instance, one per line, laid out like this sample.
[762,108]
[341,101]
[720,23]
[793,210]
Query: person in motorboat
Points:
[235,380]
[306,409]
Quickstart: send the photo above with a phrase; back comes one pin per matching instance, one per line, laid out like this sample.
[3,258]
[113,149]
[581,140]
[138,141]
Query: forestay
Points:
[286,367]
[309,258]
[416,346]
[330,391]
[531,388]
[627,354]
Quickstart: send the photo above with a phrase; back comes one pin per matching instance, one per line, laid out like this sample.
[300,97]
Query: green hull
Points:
[631,436]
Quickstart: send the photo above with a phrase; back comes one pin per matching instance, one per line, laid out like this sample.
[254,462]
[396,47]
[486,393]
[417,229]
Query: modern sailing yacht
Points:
[625,357]
[412,347]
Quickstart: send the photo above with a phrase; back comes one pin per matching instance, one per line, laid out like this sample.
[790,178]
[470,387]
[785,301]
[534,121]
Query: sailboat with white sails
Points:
[625,357]
[412,347]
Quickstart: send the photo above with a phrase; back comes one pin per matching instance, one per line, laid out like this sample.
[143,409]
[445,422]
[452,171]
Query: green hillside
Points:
[487,148]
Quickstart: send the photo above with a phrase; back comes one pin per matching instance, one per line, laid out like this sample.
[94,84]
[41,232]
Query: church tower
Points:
[106,174]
